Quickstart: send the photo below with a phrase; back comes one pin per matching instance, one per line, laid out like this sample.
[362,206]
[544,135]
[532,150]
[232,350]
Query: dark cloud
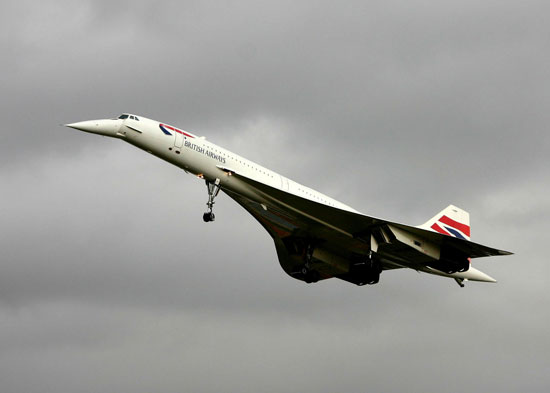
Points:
[110,280]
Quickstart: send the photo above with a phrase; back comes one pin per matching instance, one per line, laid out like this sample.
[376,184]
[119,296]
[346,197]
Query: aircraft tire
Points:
[310,276]
[208,216]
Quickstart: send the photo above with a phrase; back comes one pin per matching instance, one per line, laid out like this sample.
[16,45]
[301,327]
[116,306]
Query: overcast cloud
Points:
[109,279]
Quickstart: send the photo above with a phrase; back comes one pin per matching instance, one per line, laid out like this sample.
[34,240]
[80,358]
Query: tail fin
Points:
[451,221]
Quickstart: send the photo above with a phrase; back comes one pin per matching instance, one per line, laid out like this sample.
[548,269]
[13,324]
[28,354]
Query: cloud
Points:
[109,278]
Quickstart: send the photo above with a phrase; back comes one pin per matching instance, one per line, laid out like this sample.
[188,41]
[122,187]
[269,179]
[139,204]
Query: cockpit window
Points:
[127,116]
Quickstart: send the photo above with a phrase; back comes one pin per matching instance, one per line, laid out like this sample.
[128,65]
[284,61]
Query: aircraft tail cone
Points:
[476,275]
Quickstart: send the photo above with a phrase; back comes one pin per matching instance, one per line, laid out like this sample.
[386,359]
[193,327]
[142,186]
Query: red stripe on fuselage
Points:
[176,130]
[465,229]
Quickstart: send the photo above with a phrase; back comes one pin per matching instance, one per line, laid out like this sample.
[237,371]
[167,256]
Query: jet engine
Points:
[451,261]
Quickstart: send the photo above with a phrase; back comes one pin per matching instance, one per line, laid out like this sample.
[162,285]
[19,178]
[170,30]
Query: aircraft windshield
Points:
[126,116]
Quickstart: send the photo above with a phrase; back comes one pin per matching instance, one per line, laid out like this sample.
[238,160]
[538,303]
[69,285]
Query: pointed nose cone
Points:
[105,127]
[87,126]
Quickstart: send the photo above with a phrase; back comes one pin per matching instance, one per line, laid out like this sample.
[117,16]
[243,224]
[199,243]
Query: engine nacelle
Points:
[451,261]
[315,261]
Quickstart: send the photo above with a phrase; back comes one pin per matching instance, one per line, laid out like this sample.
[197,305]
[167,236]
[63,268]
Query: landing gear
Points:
[213,190]
[367,271]
[309,275]
[208,216]
[460,282]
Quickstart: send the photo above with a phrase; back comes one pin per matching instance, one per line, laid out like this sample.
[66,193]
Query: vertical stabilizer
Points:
[451,221]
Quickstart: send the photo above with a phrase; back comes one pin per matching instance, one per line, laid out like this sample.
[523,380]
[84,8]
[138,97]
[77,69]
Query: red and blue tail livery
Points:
[451,221]
[448,226]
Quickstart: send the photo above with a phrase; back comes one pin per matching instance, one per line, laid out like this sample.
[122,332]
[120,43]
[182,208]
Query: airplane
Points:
[316,237]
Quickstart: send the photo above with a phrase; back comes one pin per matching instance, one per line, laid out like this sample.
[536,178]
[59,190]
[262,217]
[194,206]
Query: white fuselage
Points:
[207,160]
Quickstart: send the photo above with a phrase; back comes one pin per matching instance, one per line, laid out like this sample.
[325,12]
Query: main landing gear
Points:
[309,275]
[366,271]
[213,190]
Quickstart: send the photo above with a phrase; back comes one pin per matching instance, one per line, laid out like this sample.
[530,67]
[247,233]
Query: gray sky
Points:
[109,279]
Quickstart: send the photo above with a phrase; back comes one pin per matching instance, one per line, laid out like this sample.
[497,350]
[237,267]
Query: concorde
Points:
[316,237]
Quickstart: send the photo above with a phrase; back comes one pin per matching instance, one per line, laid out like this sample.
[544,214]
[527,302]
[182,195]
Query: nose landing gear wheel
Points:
[213,190]
[208,216]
